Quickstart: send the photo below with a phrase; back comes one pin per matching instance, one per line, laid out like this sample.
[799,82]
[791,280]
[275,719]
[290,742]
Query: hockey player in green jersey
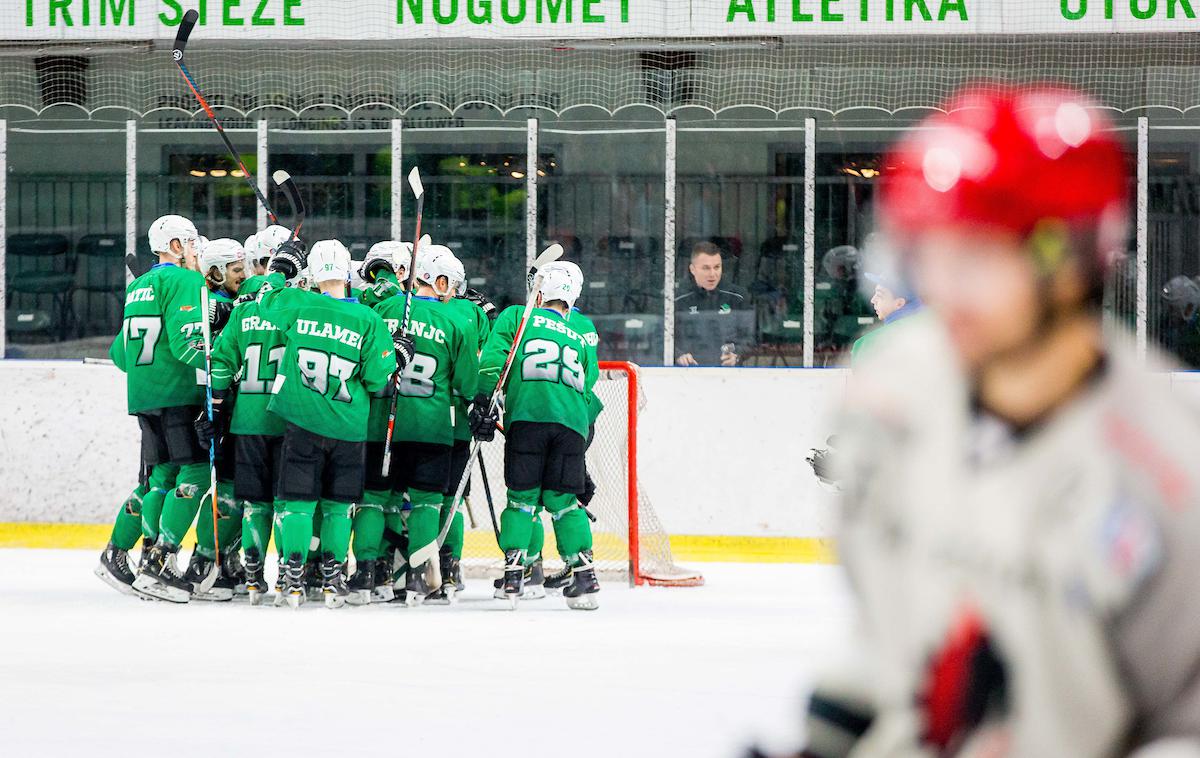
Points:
[384,268]
[223,263]
[445,361]
[338,352]
[259,249]
[475,308]
[156,350]
[250,350]
[536,583]
[546,420]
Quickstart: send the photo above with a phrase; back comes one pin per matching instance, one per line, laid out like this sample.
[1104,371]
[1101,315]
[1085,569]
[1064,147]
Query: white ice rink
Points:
[654,672]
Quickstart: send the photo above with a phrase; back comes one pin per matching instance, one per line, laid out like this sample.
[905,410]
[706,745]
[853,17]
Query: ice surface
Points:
[655,672]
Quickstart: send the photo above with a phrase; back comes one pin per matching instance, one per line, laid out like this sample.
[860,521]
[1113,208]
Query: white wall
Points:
[722,451]
[715,456]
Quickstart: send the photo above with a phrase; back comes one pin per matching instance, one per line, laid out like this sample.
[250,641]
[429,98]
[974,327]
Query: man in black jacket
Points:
[712,319]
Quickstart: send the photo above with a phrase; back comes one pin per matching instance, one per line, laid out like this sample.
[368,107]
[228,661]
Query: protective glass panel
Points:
[740,255]
[65,272]
[602,197]
[1173,239]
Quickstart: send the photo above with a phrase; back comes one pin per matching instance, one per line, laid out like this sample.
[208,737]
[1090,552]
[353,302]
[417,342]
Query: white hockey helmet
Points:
[558,284]
[399,254]
[268,241]
[218,254]
[572,270]
[251,246]
[168,228]
[436,261]
[329,260]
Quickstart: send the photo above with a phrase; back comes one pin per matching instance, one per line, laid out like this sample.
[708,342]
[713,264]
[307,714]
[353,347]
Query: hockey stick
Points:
[487,492]
[181,39]
[414,181]
[211,579]
[550,254]
[288,185]
[134,264]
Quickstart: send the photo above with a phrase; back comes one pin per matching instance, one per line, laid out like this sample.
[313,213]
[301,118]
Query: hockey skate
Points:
[280,583]
[256,583]
[556,581]
[422,581]
[159,576]
[362,584]
[384,591]
[293,581]
[314,588]
[333,582]
[113,569]
[514,577]
[198,568]
[533,587]
[447,594]
[581,592]
[234,570]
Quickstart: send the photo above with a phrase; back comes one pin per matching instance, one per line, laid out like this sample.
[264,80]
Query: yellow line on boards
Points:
[685,547]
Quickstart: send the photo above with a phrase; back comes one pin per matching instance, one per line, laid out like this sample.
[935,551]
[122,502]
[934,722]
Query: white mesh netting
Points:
[774,75]
[608,464]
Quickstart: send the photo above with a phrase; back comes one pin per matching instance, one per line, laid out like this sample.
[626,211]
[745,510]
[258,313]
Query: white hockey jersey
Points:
[1031,593]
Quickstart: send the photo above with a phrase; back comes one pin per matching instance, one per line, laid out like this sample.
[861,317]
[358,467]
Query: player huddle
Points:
[340,421]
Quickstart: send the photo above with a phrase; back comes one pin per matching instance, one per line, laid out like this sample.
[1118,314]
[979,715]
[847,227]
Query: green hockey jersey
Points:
[552,375]
[155,347]
[338,353]
[446,362]
[584,326]
[470,314]
[381,401]
[249,350]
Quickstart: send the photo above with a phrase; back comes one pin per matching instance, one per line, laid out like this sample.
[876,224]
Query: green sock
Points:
[256,530]
[368,526]
[516,521]
[296,524]
[179,510]
[229,514]
[335,529]
[128,526]
[423,526]
[537,539]
[162,481]
[454,537]
[572,530]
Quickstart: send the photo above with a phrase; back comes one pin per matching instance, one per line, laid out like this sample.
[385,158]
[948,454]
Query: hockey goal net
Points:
[629,540]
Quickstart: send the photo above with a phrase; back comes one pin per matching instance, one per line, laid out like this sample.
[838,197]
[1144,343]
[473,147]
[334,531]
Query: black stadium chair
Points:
[99,291]
[39,273]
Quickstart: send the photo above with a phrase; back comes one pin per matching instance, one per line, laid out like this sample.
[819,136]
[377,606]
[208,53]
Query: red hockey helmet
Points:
[1011,160]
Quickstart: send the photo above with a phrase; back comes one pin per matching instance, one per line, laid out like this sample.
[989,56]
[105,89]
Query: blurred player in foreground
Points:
[1021,514]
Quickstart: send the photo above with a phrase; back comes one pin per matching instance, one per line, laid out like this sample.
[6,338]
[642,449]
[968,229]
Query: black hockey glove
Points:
[218,314]
[370,270]
[481,300]
[290,259]
[207,430]
[406,350]
[482,419]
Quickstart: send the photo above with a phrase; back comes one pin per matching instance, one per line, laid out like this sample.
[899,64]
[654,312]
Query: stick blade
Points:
[426,240]
[414,181]
[549,255]
[281,177]
[185,32]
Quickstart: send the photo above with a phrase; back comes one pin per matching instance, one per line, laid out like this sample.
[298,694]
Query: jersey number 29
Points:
[547,361]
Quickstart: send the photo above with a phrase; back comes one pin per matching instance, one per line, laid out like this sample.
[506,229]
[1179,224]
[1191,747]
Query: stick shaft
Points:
[492,404]
[212,116]
[410,280]
[208,406]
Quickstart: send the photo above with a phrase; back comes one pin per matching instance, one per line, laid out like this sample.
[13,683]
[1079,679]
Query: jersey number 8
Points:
[417,378]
